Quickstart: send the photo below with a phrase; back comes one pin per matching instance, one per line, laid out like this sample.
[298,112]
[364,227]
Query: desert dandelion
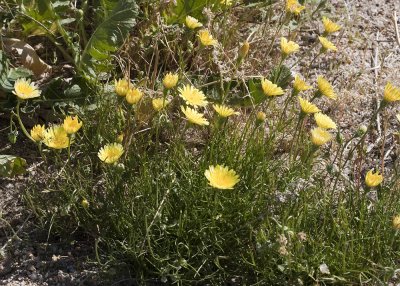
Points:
[307,107]
[56,137]
[325,88]
[121,87]
[271,89]
[111,153]
[25,89]
[320,136]
[192,23]
[159,103]
[206,38]
[391,93]
[133,96]
[192,96]
[194,116]
[221,177]
[373,179]
[330,26]
[37,132]
[327,45]
[324,121]
[170,80]
[288,47]
[224,111]
[72,124]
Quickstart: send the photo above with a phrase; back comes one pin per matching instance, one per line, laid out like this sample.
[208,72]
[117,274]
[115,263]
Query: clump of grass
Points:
[181,181]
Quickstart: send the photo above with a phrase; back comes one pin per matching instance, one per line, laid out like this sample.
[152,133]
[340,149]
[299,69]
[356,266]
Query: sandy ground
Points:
[369,56]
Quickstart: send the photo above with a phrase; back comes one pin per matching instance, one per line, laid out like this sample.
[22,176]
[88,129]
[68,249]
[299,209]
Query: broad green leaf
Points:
[109,35]
[12,166]
[5,84]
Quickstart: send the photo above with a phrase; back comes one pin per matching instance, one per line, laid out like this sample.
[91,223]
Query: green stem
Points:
[22,125]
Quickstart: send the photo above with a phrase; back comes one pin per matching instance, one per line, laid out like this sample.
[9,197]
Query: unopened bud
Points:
[85,203]
[261,116]
[361,130]
[244,50]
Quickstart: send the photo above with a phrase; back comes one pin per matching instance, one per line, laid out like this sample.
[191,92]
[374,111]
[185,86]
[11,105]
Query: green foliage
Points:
[109,35]
[11,166]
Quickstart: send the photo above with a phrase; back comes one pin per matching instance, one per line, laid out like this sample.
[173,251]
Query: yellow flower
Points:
[320,136]
[373,179]
[192,23]
[326,44]
[24,89]
[56,137]
[326,88]
[170,80]
[244,50]
[261,116]
[288,47]
[159,103]
[121,87]
[307,107]
[330,26]
[37,132]
[271,89]
[221,177]
[324,121]
[194,117]
[293,6]
[110,153]
[224,111]
[133,96]
[396,222]
[391,93]
[300,85]
[206,38]
[192,96]
[72,124]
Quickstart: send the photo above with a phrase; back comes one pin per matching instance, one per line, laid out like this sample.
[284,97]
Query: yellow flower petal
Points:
[111,153]
[373,179]
[324,121]
[24,89]
[194,117]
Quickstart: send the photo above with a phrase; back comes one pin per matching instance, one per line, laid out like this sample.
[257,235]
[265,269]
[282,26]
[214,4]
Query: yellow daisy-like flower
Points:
[206,38]
[294,7]
[121,87]
[133,96]
[56,137]
[396,222]
[192,96]
[37,132]
[170,80]
[159,103]
[324,121]
[320,136]
[373,179]
[221,177]
[326,88]
[300,85]
[24,89]
[326,44]
[192,23]
[391,93]
[307,107]
[224,111]
[111,153]
[288,47]
[72,124]
[271,89]
[194,117]
[330,26]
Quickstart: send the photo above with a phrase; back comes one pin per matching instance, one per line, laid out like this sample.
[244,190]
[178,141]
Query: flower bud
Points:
[261,116]
[244,50]
[361,130]
[85,203]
